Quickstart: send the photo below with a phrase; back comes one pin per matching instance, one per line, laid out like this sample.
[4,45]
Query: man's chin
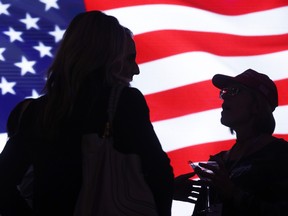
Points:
[225,123]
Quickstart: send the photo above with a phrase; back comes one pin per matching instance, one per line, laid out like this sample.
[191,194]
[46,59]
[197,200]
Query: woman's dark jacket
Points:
[56,154]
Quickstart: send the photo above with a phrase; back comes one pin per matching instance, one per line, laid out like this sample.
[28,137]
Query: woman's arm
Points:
[136,135]
[13,165]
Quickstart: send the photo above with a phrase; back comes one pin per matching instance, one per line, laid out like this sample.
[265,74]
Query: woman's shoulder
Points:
[132,101]
[132,94]
[22,106]
[15,116]
[33,106]
[19,112]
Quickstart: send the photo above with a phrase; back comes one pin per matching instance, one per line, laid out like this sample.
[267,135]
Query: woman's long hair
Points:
[93,46]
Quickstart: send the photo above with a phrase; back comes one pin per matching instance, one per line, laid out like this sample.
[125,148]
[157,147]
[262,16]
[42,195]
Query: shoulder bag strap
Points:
[112,106]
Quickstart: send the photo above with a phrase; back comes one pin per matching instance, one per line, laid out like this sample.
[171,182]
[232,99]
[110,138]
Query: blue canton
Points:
[30,33]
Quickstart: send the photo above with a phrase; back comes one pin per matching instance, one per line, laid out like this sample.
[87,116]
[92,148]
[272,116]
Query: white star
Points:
[44,50]
[14,35]
[50,4]
[1,51]
[57,33]
[3,8]
[30,22]
[26,66]
[7,87]
[34,94]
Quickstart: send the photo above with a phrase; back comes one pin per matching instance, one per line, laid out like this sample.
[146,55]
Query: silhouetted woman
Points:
[96,54]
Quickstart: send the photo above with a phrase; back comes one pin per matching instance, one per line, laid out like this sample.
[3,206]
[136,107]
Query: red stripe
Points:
[201,152]
[183,100]
[227,7]
[196,153]
[159,44]
[282,87]
[194,98]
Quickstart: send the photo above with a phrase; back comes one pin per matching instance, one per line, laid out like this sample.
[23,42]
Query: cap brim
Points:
[222,81]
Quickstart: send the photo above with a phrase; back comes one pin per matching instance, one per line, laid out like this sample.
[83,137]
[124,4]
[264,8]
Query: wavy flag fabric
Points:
[30,32]
[180,45]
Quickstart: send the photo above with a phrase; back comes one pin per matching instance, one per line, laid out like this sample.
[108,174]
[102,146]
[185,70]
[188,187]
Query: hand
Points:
[184,188]
[219,178]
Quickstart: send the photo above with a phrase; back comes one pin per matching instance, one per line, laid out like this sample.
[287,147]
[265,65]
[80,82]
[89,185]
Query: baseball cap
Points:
[251,79]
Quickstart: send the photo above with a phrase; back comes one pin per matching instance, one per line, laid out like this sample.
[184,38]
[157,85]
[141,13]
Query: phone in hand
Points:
[193,165]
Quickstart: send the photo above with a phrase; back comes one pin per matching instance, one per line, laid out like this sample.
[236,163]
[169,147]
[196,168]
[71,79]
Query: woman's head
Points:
[95,49]
[94,44]
[249,98]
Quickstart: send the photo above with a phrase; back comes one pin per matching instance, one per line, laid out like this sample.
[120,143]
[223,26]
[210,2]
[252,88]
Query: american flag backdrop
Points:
[30,32]
[180,45]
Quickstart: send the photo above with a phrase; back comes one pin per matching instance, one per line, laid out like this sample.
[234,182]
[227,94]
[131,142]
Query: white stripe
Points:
[3,139]
[147,18]
[202,128]
[281,118]
[193,67]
